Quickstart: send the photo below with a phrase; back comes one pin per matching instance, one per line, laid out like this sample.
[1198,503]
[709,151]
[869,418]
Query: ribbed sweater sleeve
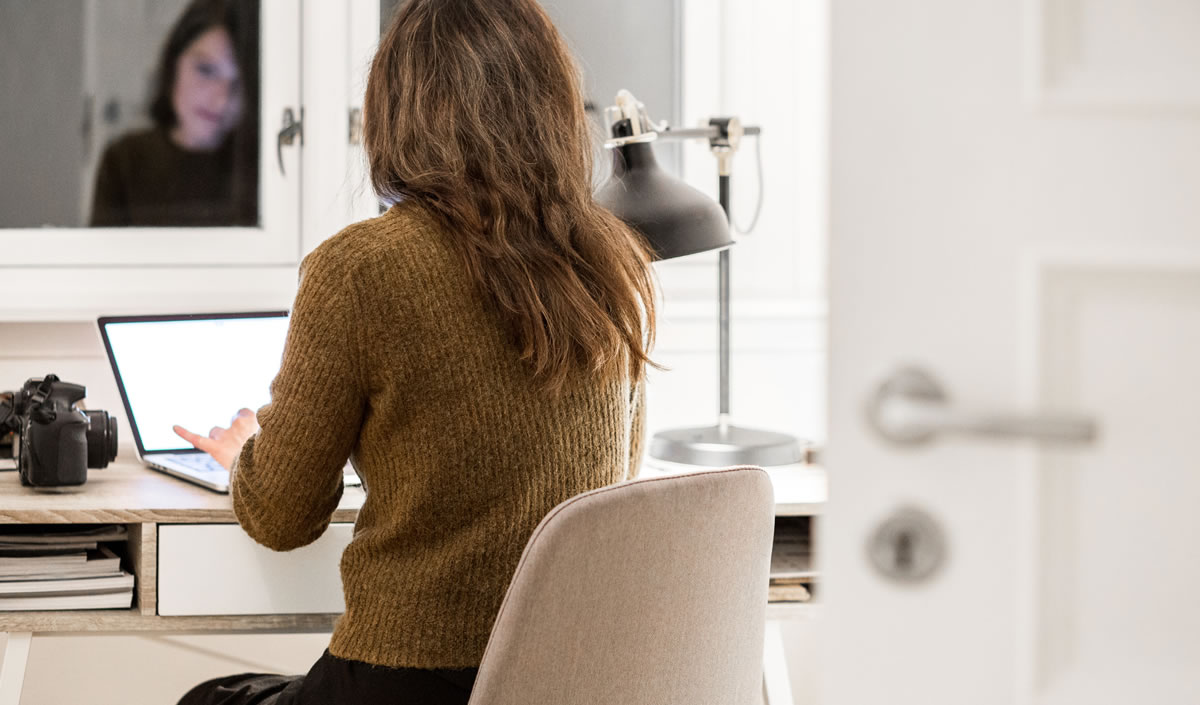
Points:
[637,432]
[288,478]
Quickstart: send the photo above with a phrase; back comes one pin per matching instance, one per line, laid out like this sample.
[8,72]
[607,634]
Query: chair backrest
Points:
[651,592]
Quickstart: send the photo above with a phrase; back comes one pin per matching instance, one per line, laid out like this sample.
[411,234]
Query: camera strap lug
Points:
[40,413]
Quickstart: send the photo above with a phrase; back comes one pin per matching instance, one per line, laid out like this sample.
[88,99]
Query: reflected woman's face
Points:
[207,97]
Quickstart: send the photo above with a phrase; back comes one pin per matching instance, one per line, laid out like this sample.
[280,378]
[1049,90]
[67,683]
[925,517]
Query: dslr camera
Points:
[53,441]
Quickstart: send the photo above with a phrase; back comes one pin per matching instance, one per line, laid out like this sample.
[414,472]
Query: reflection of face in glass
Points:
[207,95]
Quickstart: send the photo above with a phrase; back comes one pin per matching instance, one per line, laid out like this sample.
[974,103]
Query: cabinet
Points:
[313,61]
[57,273]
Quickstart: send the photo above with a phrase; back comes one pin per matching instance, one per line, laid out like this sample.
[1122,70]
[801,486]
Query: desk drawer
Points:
[209,569]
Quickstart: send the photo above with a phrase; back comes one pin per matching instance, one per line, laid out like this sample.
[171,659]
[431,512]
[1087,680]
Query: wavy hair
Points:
[474,109]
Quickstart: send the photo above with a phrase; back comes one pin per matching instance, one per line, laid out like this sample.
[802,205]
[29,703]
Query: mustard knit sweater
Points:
[395,360]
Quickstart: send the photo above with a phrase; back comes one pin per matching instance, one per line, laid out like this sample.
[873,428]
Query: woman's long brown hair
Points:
[474,108]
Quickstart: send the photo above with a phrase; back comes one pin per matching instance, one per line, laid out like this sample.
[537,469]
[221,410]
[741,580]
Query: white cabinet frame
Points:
[275,242]
[310,48]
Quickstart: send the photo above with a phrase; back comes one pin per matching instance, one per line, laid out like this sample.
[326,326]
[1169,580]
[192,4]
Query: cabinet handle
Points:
[292,128]
[356,126]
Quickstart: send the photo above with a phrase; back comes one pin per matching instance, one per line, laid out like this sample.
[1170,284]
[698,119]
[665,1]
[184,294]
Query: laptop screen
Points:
[195,371]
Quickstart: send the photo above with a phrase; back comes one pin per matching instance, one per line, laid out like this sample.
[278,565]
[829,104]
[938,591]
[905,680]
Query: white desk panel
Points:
[216,569]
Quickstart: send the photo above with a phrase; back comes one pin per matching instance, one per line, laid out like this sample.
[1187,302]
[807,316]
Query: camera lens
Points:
[101,439]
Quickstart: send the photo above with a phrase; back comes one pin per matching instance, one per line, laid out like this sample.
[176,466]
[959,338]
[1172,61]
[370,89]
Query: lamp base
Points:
[724,445]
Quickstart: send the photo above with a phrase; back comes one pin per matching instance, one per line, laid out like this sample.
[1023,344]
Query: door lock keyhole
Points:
[904,552]
[908,546]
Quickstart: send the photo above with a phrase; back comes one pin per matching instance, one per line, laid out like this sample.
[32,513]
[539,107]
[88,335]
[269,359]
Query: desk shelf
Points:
[132,620]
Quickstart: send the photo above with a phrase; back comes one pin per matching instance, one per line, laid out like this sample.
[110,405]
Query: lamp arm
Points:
[707,132]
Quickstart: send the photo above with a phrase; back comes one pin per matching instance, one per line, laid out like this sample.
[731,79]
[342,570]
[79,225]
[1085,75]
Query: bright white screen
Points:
[195,373]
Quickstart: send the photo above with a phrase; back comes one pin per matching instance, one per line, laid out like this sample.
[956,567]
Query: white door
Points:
[1016,212]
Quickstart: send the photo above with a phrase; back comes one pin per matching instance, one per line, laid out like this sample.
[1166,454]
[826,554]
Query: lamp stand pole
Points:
[725,444]
[723,297]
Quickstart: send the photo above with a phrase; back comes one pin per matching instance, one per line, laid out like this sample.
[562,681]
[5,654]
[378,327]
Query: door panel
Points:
[1117,525]
[1129,56]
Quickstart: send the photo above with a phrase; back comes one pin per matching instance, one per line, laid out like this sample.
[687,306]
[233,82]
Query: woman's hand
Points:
[223,444]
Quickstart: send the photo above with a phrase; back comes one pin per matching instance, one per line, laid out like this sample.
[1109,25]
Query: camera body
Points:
[53,441]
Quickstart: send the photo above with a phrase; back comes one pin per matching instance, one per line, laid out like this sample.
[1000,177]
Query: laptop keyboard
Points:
[202,462]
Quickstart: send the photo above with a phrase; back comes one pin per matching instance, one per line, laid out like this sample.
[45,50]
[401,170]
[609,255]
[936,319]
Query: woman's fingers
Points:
[200,442]
[223,443]
[244,424]
[246,418]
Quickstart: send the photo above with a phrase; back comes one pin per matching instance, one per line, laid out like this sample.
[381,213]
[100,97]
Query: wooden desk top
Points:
[128,492]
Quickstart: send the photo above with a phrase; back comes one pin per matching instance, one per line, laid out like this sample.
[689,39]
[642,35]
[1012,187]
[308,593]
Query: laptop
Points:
[195,370]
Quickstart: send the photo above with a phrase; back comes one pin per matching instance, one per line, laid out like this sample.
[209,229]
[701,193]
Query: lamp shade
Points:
[675,218]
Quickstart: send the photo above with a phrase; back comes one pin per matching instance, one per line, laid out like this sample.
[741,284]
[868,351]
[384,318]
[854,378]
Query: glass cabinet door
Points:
[149,132]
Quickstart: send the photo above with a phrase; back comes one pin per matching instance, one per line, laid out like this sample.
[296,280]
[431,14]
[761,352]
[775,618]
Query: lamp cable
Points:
[759,201]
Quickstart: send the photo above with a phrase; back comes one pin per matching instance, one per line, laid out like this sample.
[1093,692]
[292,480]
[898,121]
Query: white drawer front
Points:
[211,569]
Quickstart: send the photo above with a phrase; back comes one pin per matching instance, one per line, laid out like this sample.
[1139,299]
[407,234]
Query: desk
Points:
[127,493]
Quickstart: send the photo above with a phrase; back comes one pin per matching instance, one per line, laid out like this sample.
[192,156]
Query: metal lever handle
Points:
[291,129]
[911,407]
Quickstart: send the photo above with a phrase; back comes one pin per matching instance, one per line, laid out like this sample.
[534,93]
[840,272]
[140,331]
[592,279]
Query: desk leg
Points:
[12,669]
[777,686]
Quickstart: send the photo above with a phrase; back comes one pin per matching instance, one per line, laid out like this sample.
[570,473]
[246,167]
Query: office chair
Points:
[650,592]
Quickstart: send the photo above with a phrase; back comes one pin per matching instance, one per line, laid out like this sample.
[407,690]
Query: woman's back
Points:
[478,350]
[395,356]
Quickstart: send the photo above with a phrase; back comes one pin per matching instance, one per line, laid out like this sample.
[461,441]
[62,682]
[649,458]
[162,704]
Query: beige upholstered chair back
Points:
[651,592]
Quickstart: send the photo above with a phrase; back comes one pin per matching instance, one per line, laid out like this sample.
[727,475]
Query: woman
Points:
[478,350]
[194,167]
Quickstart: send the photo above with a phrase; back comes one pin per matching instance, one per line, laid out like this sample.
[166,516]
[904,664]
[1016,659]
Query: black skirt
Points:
[335,681]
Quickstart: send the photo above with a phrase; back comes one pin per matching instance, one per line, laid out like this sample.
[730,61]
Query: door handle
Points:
[912,407]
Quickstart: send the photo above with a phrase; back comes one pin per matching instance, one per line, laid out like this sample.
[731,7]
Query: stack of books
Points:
[62,568]
[792,573]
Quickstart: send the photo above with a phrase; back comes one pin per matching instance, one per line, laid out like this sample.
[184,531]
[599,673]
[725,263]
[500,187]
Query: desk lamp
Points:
[678,220]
